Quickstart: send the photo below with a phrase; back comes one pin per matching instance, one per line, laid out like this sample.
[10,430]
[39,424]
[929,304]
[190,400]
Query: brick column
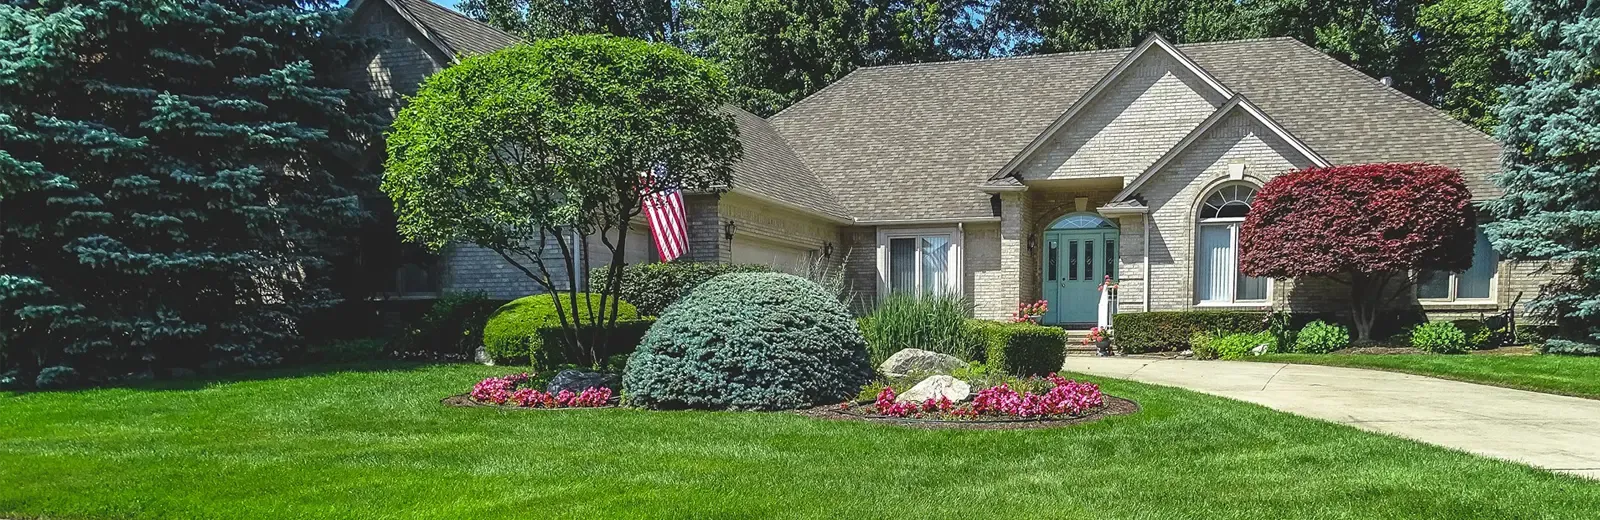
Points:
[1000,292]
[706,241]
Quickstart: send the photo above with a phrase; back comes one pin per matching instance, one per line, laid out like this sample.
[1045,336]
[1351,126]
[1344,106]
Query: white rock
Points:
[951,388]
[481,356]
[1260,349]
[918,361]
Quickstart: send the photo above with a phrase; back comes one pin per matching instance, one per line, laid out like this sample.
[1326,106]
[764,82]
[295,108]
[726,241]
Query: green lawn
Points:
[1566,375]
[375,443]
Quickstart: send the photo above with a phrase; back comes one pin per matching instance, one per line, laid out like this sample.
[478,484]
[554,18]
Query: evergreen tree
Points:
[1550,123]
[173,176]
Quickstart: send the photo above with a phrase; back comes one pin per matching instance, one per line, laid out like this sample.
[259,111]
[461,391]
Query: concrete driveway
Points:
[1555,432]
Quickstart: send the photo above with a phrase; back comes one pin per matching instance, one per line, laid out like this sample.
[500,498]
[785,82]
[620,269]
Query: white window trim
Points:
[1235,224]
[956,268]
[1494,289]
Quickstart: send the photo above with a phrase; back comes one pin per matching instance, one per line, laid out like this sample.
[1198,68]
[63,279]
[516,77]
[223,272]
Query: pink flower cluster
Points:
[1065,398]
[1030,312]
[887,406]
[499,390]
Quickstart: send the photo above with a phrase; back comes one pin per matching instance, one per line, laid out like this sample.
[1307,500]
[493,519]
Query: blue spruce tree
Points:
[174,177]
[1551,127]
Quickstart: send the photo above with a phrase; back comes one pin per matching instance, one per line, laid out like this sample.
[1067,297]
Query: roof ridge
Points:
[1074,53]
[1435,111]
[468,19]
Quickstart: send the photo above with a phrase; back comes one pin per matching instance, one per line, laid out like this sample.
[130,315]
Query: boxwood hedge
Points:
[517,334]
[1170,330]
[1022,349]
[654,286]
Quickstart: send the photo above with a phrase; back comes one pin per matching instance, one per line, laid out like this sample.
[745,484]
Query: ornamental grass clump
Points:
[750,341]
[1440,337]
[933,323]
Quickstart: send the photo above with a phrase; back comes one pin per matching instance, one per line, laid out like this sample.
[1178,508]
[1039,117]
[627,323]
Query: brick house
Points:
[1027,178]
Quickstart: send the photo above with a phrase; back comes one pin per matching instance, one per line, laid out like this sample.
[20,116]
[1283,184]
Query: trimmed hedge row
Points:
[1022,349]
[653,287]
[1171,330]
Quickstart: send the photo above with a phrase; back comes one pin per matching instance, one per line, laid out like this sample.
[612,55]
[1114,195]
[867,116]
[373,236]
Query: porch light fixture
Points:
[727,229]
[1033,242]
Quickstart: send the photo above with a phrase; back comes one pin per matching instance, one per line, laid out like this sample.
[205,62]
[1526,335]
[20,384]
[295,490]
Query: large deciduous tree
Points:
[654,20]
[172,178]
[535,151]
[1551,126]
[1373,228]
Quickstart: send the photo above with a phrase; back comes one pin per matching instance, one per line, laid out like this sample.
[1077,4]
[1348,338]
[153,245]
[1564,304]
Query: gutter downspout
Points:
[1146,264]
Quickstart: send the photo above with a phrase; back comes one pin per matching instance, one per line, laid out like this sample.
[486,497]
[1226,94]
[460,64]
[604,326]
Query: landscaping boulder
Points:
[918,361]
[481,357]
[1260,349]
[951,388]
[576,381]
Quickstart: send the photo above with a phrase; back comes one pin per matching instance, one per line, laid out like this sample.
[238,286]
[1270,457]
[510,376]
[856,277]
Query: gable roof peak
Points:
[1153,41]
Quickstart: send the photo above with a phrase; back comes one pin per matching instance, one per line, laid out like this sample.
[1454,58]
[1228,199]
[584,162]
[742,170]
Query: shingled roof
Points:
[909,142]
[453,32]
[770,170]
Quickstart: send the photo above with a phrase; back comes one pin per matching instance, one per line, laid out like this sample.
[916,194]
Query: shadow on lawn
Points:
[203,381]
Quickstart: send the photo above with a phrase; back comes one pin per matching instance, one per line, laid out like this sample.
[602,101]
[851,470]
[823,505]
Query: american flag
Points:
[669,224]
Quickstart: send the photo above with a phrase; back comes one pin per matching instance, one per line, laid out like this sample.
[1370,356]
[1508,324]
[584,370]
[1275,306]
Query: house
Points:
[1017,179]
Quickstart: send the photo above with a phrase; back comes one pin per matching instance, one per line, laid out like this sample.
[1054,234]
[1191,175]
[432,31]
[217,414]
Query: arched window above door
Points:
[1082,222]
[1217,277]
[1229,201]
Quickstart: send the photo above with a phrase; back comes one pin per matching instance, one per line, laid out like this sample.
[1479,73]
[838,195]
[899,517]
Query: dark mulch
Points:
[1113,406]
[466,401]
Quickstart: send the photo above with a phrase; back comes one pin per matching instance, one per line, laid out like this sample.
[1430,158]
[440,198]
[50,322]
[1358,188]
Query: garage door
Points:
[786,258]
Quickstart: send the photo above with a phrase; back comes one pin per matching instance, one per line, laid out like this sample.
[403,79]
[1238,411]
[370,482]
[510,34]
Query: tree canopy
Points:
[1371,227]
[1550,123]
[531,150]
[172,179]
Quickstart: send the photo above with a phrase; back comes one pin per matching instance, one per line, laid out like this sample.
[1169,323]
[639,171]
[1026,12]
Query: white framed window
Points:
[919,261]
[1217,277]
[1476,284]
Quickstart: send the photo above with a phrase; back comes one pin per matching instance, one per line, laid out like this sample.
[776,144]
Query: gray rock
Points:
[918,361]
[576,381]
[1186,353]
[481,357]
[951,388]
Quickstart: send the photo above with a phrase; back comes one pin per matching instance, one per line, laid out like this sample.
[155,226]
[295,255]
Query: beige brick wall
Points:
[398,68]
[769,222]
[1146,110]
[1173,195]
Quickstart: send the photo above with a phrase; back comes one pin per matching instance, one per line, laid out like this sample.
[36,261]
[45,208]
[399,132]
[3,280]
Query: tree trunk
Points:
[1363,304]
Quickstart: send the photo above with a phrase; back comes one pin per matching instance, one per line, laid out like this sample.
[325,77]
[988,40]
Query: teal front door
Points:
[1076,261]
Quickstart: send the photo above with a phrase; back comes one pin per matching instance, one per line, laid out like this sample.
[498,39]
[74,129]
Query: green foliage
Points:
[531,150]
[934,323]
[347,350]
[1320,337]
[452,329]
[57,378]
[654,20]
[1568,348]
[176,178]
[1551,174]
[654,286]
[1470,39]
[762,341]
[1022,349]
[1171,330]
[1238,346]
[512,336]
[1203,344]
[979,375]
[610,352]
[1439,337]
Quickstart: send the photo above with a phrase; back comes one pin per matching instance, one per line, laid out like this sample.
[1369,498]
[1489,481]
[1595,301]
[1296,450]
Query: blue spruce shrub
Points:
[750,341]
[57,377]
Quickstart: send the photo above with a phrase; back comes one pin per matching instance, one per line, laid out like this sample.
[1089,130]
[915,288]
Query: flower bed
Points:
[509,391]
[1000,404]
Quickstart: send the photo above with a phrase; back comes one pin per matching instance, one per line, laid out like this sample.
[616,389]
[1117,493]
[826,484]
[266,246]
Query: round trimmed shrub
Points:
[1320,337]
[750,341]
[1440,337]
[511,335]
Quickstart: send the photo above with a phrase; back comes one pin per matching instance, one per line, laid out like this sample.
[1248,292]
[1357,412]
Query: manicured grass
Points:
[373,442]
[1565,375]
